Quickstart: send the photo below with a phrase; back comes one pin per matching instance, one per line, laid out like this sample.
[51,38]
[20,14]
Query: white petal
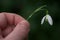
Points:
[49,18]
[42,21]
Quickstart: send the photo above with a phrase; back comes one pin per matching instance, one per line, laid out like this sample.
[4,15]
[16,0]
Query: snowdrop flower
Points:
[48,18]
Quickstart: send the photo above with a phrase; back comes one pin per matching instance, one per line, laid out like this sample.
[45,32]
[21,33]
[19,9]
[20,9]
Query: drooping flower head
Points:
[48,18]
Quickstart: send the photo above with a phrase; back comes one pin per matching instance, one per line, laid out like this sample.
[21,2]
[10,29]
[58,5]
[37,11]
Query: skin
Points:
[13,27]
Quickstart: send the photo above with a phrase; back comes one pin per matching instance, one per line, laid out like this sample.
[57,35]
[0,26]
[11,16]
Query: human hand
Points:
[13,27]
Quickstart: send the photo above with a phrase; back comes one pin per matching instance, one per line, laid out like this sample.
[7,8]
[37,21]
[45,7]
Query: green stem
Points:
[46,12]
[38,9]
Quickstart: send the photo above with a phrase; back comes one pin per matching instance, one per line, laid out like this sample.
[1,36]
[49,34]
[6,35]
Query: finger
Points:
[9,17]
[2,21]
[20,31]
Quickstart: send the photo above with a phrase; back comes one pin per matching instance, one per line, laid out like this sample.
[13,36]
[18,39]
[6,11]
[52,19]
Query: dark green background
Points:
[26,7]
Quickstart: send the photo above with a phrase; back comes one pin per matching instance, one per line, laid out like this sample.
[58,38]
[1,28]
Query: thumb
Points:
[20,31]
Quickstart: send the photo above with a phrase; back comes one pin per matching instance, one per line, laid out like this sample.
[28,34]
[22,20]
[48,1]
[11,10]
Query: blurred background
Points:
[26,7]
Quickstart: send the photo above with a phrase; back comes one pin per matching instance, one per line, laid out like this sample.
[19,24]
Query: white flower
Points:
[47,18]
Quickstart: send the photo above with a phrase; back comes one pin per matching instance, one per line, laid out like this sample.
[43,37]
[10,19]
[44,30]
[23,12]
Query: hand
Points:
[13,27]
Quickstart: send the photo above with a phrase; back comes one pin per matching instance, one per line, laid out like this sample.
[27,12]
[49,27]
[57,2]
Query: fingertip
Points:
[25,23]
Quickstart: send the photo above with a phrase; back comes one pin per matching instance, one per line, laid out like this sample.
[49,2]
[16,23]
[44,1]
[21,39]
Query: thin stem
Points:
[46,11]
[38,9]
